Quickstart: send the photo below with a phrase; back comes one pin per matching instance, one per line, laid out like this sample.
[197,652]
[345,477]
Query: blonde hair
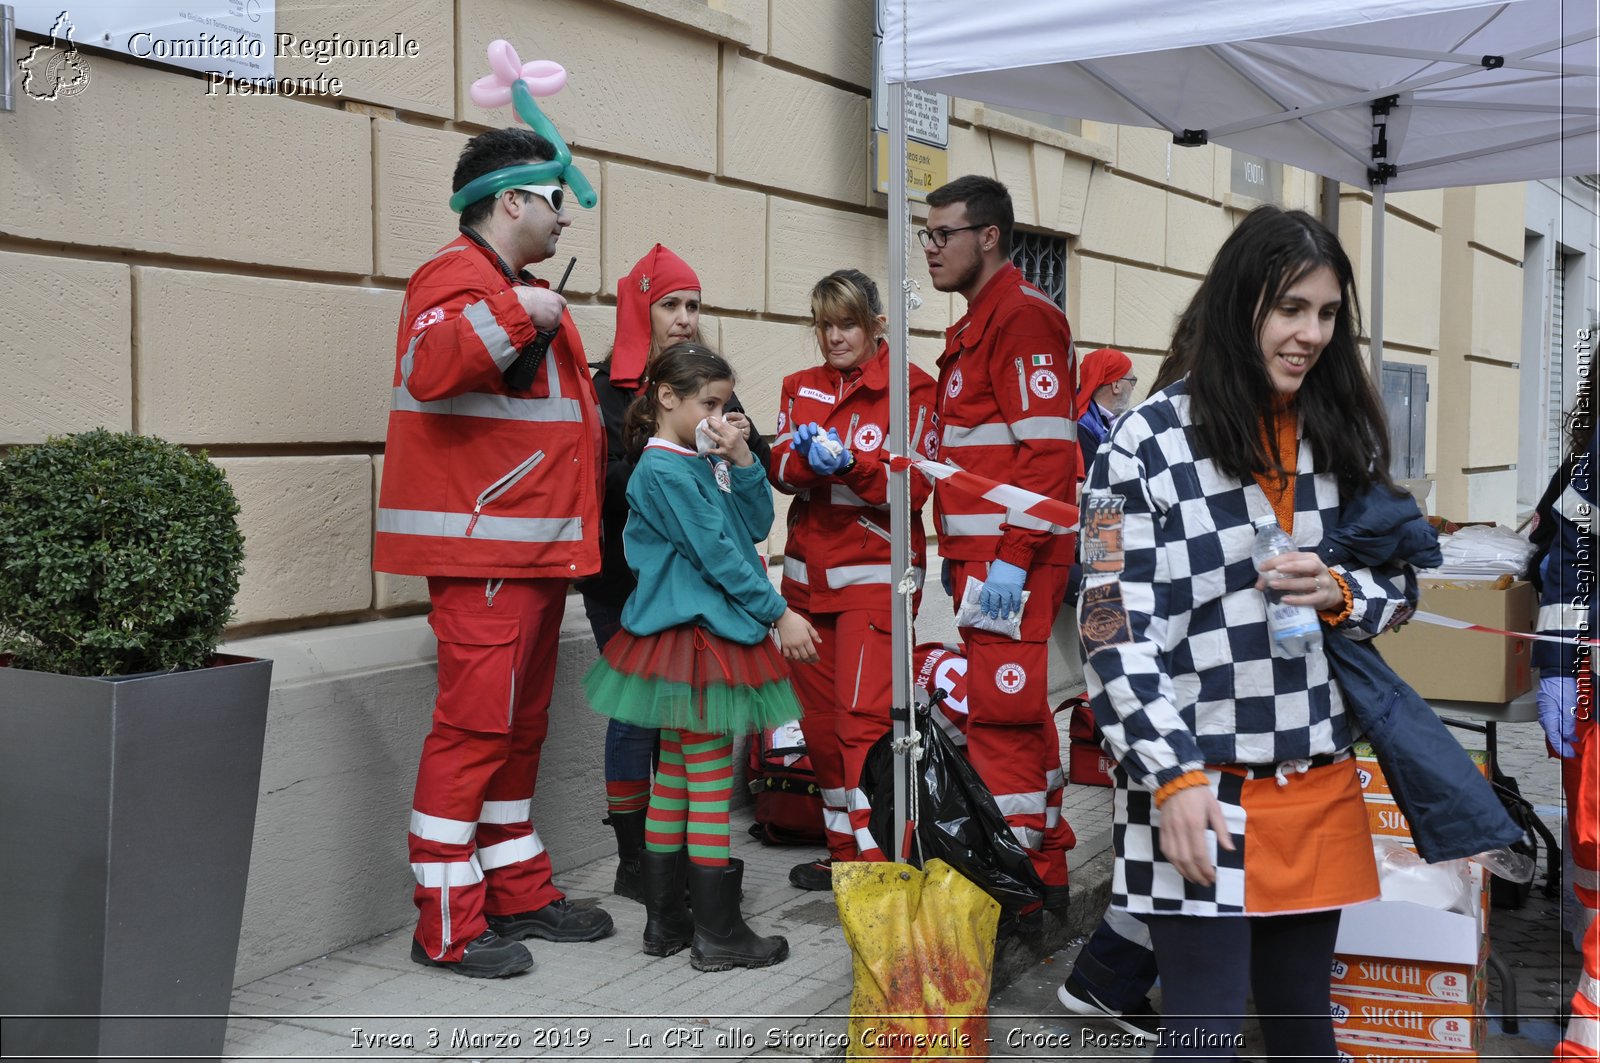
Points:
[846,297]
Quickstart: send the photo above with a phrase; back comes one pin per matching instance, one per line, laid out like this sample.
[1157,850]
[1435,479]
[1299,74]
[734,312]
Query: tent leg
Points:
[899,485]
[1375,334]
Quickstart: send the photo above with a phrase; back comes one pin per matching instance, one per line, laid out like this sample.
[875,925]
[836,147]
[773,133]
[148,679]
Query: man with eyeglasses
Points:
[491,490]
[1006,411]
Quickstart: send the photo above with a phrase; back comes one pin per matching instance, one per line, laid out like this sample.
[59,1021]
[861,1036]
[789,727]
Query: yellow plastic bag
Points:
[922,945]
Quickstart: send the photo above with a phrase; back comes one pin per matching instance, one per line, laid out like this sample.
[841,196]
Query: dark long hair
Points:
[1216,346]
[685,368]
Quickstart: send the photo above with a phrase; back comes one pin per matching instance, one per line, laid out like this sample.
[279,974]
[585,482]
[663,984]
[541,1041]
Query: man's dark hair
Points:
[491,151]
[988,203]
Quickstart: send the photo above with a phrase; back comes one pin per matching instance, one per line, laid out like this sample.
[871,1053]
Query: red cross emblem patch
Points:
[1010,677]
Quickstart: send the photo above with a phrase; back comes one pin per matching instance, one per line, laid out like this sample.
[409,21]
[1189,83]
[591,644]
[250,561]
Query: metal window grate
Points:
[1043,260]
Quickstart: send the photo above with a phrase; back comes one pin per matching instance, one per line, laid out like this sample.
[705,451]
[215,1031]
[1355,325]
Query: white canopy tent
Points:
[1388,94]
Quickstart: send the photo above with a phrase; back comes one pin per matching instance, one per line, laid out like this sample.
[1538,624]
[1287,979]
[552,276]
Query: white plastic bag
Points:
[1484,552]
[972,615]
[1405,876]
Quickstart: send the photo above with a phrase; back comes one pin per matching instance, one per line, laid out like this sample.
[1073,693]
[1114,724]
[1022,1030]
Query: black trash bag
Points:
[957,819]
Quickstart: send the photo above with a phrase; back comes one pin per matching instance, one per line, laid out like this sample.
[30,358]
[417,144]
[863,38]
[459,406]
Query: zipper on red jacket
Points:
[1022,383]
[501,486]
[871,526]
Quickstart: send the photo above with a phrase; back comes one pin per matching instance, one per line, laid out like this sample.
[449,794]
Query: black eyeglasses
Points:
[937,238]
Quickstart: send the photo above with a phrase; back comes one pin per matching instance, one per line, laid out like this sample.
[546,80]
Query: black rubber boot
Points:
[722,941]
[629,827]
[668,926]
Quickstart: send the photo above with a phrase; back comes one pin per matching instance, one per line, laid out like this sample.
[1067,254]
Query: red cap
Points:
[653,276]
[1099,368]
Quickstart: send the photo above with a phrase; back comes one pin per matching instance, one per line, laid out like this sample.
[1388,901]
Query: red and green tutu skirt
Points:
[690,679]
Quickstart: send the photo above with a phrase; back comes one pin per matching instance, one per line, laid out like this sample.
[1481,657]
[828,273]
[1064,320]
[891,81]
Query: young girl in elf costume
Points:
[695,657]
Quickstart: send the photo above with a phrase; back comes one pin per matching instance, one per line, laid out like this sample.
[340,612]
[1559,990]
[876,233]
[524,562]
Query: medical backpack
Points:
[788,800]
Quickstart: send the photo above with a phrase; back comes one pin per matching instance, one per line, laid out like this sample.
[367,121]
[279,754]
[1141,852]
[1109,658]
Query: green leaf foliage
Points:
[119,554]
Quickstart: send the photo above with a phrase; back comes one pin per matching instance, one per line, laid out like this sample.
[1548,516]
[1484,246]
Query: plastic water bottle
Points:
[1295,628]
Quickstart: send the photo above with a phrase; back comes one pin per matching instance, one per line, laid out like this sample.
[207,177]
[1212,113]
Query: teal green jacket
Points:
[692,547]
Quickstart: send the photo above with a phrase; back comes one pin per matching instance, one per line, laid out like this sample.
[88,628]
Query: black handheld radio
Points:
[519,374]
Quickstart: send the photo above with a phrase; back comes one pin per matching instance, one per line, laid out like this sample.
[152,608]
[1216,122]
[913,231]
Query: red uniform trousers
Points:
[1011,734]
[1583,822]
[472,843]
[846,697]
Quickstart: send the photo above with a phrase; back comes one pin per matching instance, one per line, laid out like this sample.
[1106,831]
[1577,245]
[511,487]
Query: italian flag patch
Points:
[1041,359]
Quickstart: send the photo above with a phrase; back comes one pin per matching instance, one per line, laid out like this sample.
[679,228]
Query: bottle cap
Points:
[1266,521]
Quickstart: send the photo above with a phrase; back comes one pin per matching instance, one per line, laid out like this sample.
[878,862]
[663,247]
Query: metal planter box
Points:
[127,808]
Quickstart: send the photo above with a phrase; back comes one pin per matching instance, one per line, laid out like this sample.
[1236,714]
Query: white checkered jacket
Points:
[1180,669]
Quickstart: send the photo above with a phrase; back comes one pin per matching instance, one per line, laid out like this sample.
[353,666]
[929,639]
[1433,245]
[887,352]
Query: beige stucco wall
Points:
[236,286]
[1480,329]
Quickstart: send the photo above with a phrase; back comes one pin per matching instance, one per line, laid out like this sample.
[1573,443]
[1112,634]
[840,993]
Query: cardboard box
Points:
[1088,765]
[1354,1048]
[1385,820]
[1450,665]
[1402,1024]
[1445,983]
[1404,930]
[1373,782]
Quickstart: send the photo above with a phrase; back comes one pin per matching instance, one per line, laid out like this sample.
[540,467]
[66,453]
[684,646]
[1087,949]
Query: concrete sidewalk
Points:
[370,1001]
[607,1000]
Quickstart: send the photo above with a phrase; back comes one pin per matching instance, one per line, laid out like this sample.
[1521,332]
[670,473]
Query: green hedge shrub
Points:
[119,554]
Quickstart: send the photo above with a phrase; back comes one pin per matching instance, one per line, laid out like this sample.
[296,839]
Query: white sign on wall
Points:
[233,37]
[927,113]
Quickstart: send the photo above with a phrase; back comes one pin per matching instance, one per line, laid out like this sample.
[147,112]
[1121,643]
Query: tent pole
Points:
[899,484]
[1375,333]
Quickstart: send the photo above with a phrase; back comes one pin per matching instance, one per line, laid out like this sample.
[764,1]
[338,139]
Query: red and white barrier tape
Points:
[1063,515]
[1462,625]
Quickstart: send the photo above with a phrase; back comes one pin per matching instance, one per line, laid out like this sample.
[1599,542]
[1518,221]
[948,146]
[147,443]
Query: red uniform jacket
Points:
[478,480]
[1006,412]
[837,556]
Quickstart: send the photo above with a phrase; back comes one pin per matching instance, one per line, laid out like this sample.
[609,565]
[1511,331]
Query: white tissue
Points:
[704,441]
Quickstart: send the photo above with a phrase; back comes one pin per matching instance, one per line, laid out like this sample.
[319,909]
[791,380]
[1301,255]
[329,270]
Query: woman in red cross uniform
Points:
[830,454]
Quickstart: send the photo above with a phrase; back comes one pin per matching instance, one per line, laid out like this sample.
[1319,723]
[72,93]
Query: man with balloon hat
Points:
[491,490]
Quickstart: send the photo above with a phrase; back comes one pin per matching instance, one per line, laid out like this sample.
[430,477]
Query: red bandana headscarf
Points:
[1099,368]
[653,276]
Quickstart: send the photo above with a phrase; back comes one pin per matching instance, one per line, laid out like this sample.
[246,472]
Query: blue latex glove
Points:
[803,435]
[1558,696]
[822,462]
[1002,591]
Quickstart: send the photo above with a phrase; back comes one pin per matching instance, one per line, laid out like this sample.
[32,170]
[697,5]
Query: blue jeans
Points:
[630,750]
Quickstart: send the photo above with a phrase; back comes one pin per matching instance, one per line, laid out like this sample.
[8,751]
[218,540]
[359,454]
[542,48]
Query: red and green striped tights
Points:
[689,799]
